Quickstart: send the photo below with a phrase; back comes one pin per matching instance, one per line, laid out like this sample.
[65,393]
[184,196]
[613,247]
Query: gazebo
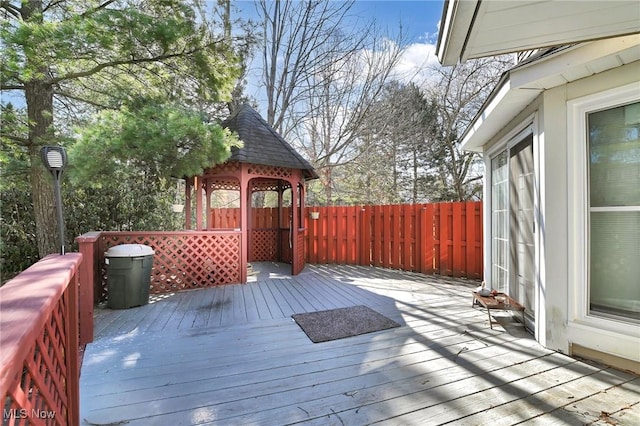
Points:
[266,162]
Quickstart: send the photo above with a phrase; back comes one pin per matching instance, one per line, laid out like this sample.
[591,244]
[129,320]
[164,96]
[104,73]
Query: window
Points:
[613,138]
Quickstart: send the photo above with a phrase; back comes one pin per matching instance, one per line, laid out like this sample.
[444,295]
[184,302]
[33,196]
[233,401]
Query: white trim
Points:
[578,211]
[521,85]
[614,209]
[486,219]
[539,293]
[456,22]
[519,131]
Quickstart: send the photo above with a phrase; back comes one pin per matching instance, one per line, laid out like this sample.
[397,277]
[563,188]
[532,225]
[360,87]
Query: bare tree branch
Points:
[10,9]
[12,87]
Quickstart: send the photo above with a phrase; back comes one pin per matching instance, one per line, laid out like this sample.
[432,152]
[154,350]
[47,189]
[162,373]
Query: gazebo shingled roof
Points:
[262,144]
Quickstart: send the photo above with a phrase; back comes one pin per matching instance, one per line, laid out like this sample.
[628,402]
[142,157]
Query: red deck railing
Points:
[183,259]
[39,360]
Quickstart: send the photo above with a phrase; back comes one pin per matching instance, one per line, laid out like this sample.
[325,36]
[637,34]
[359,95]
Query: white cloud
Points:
[416,63]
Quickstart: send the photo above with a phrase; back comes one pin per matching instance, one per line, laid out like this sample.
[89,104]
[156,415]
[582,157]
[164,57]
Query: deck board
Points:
[233,356]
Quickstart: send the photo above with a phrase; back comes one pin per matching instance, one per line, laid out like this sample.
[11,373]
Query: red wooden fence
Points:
[39,360]
[442,238]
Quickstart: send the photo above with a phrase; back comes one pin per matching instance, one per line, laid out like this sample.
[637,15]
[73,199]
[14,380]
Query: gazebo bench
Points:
[490,302]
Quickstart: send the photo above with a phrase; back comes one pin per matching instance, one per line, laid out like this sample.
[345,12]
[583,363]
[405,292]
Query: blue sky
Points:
[419,18]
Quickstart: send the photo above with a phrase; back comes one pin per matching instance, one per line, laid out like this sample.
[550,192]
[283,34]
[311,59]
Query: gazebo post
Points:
[303,218]
[302,196]
[293,232]
[279,224]
[245,201]
[187,201]
[207,207]
[198,194]
[297,262]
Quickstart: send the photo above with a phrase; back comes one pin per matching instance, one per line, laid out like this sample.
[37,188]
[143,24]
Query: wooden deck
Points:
[232,356]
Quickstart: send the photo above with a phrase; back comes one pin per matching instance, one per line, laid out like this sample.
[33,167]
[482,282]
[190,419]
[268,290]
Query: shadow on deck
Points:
[232,355]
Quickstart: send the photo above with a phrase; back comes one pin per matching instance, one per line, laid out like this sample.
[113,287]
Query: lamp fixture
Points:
[54,157]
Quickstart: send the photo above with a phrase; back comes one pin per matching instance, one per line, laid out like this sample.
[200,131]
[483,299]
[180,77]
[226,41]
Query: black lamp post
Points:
[55,158]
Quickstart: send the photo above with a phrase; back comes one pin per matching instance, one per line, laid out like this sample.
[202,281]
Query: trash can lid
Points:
[129,250]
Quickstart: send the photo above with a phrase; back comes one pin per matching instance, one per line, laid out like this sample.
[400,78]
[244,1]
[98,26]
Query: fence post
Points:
[396,241]
[72,344]
[376,235]
[418,235]
[340,233]
[88,246]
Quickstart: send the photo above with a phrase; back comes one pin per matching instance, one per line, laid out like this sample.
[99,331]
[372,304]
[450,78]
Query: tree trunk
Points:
[328,185]
[39,98]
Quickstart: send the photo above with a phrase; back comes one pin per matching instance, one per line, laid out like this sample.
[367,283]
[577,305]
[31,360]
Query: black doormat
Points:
[324,326]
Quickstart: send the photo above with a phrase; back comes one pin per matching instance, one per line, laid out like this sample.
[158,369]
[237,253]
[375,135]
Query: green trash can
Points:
[128,275]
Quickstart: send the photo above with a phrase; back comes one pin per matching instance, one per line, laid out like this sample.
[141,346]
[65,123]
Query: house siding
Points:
[556,293]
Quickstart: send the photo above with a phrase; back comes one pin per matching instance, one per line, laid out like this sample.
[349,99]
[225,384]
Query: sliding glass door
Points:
[513,223]
[522,225]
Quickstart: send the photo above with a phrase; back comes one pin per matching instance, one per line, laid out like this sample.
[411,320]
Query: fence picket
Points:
[458,235]
[407,261]
[396,219]
[365,236]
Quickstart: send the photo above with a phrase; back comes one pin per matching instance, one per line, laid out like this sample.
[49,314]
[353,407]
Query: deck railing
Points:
[183,259]
[39,360]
